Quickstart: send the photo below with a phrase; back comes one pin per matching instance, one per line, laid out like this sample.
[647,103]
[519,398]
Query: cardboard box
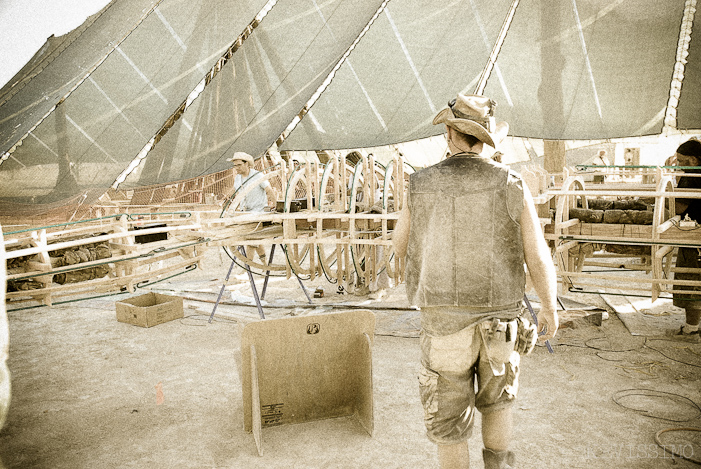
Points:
[149,309]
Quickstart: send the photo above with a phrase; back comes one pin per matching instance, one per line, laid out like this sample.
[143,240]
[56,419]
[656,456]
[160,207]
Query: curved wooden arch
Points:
[658,255]
[665,185]
[305,175]
[326,176]
[562,222]
[565,203]
[334,187]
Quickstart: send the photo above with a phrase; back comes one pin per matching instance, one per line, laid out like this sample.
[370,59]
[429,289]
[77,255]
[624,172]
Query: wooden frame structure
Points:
[344,233]
[578,244]
[335,220]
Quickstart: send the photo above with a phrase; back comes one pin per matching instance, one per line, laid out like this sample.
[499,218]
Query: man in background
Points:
[260,196]
[688,154]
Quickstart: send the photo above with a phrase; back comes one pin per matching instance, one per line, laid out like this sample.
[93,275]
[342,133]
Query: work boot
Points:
[498,459]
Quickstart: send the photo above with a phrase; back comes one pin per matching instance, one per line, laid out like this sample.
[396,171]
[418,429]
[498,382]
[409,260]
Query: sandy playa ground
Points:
[90,392]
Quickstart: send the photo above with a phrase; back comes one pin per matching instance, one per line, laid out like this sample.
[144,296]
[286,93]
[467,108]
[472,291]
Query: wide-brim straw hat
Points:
[474,115]
[243,156]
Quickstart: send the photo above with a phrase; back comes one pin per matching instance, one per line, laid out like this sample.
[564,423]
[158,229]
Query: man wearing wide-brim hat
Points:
[260,196]
[467,229]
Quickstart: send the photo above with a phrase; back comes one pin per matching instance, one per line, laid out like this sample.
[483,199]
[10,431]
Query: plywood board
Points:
[309,368]
[255,402]
[364,403]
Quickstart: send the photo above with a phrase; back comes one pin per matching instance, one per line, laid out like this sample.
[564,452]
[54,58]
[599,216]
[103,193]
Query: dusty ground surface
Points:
[90,392]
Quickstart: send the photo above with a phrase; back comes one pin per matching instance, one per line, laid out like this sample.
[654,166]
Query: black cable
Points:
[618,395]
[612,350]
[607,359]
[679,227]
[633,295]
[666,447]
[570,345]
[667,356]
[320,254]
[204,317]
[262,273]
[645,344]
[287,256]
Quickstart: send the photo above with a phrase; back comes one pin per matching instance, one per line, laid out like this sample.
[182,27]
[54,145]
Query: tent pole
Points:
[496,49]
[327,81]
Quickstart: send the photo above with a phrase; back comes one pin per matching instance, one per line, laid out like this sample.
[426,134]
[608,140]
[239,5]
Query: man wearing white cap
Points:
[260,196]
[467,228]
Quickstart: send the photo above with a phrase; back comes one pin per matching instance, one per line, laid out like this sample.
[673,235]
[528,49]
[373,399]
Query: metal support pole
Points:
[267,273]
[221,291]
[253,285]
[304,289]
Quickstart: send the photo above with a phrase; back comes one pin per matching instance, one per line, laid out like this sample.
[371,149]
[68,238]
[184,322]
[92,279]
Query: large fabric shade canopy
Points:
[154,91]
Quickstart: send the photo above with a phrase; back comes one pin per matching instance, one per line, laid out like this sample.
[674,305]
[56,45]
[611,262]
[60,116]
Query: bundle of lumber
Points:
[624,212]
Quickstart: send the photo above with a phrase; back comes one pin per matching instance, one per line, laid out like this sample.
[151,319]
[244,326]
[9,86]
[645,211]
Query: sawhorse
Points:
[253,284]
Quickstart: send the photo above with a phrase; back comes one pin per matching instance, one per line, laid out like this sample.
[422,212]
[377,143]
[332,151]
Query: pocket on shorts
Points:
[451,353]
[428,388]
[512,374]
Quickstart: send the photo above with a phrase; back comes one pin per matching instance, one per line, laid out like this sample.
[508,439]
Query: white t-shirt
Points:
[256,200]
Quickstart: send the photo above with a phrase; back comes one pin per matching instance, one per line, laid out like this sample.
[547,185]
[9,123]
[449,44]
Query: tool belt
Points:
[519,331]
[527,336]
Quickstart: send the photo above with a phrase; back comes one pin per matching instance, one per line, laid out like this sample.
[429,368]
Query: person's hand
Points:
[548,323]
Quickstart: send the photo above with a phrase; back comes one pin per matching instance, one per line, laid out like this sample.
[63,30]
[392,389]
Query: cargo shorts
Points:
[449,366]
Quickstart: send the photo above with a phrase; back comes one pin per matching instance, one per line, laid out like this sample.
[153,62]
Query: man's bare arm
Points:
[540,266]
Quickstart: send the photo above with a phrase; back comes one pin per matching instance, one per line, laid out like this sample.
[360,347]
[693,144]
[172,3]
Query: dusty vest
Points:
[465,246]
